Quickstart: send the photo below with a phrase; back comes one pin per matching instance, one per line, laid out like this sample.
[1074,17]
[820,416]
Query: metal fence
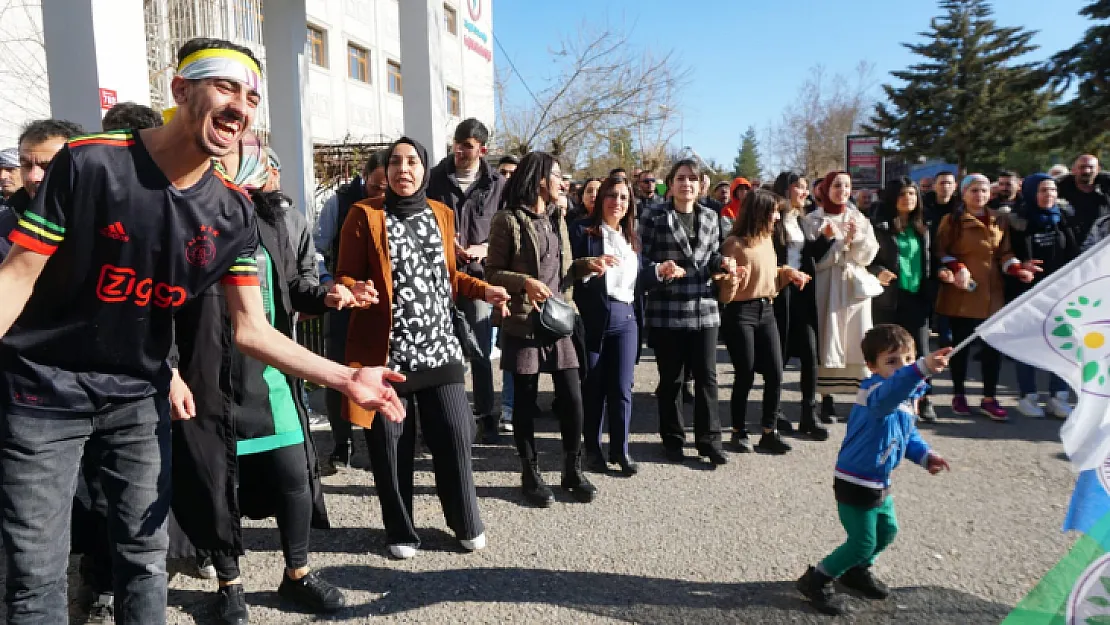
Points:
[312,334]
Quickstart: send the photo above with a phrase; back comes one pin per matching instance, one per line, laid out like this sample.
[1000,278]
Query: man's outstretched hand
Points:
[372,389]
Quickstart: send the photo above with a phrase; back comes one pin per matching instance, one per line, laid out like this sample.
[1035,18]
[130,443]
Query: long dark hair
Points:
[757,216]
[888,210]
[627,223]
[523,189]
[784,181]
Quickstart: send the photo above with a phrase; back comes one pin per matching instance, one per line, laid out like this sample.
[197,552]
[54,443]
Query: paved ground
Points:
[681,544]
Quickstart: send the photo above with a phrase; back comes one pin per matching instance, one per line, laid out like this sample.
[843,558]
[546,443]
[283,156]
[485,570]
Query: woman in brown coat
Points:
[974,251]
[530,255]
[407,249]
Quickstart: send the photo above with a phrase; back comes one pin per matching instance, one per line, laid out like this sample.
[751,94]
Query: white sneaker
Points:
[475,544]
[1029,407]
[403,552]
[1059,405]
[205,570]
[505,425]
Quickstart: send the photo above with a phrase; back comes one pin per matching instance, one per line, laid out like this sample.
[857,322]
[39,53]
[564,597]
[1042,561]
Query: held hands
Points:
[360,295]
[886,277]
[498,297]
[799,278]
[536,291]
[182,406]
[1028,269]
[938,360]
[601,263]
[477,252]
[945,276]
[935,463]
[671,271]
[371,388]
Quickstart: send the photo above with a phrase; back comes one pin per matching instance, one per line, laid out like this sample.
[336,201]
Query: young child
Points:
[881,432]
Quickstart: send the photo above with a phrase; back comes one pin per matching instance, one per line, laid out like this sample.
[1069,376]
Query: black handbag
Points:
[468,341]
[554,318]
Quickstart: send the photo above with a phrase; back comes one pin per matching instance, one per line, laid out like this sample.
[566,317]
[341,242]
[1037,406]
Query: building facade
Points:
[355,73]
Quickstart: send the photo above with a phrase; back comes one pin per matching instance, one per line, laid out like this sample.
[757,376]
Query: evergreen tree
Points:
[746,163]
[968,99]
[1085,120]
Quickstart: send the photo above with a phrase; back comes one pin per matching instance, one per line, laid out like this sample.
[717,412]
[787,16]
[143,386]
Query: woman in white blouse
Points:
[796,309]
[610,306]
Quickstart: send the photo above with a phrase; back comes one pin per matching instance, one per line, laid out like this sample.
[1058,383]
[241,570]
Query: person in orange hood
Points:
[740,187]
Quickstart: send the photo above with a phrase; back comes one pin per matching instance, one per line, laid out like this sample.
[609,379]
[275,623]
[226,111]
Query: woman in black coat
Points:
[903,266]
[796,309]
[248,452]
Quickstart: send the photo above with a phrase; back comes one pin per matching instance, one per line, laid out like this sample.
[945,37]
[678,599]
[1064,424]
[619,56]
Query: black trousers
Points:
[281,471]
[673,349]
[990,360]
[912,313]
[568,388]
[448,427]
[794,311]
[753,342]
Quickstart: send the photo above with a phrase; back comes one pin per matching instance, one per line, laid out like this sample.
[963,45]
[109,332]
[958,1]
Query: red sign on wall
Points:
[108,98]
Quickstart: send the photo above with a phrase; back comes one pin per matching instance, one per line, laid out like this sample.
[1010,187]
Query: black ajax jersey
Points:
[126,250]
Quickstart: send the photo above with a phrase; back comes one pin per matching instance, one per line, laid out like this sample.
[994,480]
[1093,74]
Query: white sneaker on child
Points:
[1059,405]
[1029,406]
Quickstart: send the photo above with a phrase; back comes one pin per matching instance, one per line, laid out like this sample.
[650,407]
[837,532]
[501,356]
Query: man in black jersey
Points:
[124,229]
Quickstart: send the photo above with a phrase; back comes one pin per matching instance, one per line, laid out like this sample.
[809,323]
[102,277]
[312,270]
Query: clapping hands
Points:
[360,295]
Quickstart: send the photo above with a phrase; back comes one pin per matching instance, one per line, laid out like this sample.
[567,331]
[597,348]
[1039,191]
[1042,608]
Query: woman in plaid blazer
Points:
[681,257]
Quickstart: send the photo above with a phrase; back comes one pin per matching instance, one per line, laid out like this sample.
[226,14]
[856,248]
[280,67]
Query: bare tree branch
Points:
[600,85]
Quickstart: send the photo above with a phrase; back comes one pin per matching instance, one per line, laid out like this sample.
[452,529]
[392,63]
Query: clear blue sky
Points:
[749,58]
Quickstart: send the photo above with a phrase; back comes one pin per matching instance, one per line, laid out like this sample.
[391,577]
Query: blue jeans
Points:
[478,315]
[40,455]
[1027,379]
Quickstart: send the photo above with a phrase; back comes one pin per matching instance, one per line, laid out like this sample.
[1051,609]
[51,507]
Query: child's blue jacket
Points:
[881,429]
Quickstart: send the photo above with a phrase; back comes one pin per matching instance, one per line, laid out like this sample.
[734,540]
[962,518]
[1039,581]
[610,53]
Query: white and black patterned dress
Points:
[422,338]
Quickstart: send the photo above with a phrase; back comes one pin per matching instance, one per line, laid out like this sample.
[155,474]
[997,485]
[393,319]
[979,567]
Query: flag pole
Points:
[964,343]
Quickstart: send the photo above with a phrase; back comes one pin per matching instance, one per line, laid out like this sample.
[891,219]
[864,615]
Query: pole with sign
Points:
[864,162]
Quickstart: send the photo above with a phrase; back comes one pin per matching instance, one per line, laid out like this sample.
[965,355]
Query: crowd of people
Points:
[153,391]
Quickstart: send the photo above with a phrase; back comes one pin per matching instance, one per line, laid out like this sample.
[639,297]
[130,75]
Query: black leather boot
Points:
[808,425]
[535,491]
[574,480]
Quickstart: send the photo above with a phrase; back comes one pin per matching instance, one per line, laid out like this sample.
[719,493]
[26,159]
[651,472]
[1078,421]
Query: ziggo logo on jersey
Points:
[120,284]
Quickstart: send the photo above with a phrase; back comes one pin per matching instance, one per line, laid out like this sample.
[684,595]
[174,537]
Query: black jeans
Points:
[448,428]
[912,313]
[798,336]
[990,361]
[525,389]
[40,457]
[673,349]
[282,472]
[753,342]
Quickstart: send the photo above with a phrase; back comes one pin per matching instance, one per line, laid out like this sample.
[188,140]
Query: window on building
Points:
[358,63]
[454,104]
[318,46]
[450,19]
[394,69]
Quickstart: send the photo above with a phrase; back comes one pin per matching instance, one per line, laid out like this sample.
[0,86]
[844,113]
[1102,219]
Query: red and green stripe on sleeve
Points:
[243,272]
[37,234]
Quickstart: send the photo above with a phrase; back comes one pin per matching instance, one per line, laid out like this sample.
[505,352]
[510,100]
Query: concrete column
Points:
[95,53]
[422,80]
[284,31]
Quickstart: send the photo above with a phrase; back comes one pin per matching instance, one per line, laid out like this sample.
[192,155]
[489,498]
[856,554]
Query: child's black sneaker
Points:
[818,588]
[861,580]
[740,443]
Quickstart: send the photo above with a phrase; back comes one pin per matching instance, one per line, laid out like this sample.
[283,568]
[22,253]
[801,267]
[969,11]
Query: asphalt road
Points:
[689,544]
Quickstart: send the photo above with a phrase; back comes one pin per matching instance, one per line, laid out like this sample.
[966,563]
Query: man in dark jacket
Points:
[1088,192]
[472,189]
[942,200]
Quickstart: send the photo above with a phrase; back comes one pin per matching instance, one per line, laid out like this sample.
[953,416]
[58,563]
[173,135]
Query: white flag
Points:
[1063,325]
